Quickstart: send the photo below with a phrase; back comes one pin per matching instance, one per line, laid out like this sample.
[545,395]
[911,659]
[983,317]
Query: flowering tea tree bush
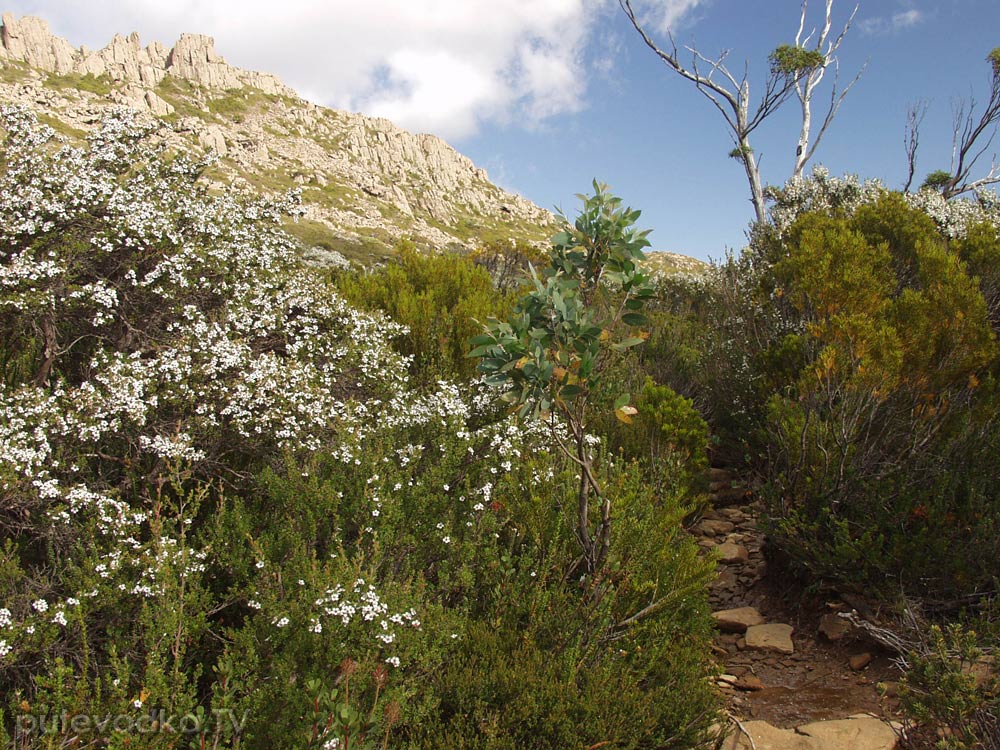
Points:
[161,347]
[227,517]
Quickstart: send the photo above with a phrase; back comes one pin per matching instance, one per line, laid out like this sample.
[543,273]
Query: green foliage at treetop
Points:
[790,60]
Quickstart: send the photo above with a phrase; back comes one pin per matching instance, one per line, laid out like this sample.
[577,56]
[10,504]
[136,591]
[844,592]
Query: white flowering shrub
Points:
[818,192]
[821,192]
[221,499]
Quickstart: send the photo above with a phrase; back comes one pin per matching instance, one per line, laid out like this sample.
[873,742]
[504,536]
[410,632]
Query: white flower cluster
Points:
[954,217]
[818,192]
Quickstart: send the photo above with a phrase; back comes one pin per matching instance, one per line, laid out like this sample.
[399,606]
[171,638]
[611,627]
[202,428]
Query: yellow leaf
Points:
[625,414]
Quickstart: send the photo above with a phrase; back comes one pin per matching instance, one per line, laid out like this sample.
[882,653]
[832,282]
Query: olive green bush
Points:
[438,298]
[950,692]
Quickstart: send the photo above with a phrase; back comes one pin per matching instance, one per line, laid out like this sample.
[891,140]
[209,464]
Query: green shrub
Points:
[951,690]
[439,298]
[539,668]
[879,435]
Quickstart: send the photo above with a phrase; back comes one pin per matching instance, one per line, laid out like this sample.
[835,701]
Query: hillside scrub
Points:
[232,518]
[852,360]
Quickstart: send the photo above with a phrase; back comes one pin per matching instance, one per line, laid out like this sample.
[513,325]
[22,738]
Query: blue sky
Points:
[549,94]
[663,147]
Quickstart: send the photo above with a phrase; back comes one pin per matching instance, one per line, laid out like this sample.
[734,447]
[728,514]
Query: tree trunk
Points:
[802,150]
[753,177]
[50,350]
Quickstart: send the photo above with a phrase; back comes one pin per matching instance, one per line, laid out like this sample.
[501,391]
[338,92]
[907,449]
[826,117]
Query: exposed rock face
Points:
[193,58]
[29,40]
[366,183]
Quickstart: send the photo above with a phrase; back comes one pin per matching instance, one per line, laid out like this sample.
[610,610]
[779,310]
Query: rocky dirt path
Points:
[795,675]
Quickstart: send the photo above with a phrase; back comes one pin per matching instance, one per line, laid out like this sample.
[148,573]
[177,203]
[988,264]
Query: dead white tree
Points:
[971,137]
[797,69]
[806,86]
[911,138]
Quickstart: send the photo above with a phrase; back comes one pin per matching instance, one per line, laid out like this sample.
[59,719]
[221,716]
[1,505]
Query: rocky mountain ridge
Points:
[366,184]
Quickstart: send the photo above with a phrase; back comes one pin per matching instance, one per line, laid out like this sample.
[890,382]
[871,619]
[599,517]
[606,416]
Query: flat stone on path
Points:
[737,620]
[856,733]
[766,737]
[749,683]
[714,527]
[771,637]
[730,553]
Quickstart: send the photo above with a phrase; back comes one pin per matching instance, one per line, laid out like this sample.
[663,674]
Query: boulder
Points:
[213,139]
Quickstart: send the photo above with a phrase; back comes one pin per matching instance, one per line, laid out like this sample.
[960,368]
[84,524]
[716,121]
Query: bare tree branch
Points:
[911,139]
[972,137]
[792,70]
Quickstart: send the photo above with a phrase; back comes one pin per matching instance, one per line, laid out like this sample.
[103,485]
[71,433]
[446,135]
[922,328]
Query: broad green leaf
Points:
[635,319]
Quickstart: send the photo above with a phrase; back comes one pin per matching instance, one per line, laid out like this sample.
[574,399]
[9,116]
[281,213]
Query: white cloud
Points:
[445,66]
[666,15]
[897,22]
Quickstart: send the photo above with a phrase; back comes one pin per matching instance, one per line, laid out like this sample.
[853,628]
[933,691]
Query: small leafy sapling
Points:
[551,357]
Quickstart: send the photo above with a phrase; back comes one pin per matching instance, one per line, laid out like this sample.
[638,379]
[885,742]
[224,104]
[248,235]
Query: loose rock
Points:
[860,661]
[771,637]
[737,620]
[834,627]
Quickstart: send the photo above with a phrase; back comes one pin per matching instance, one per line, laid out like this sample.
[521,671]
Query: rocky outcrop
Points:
[366,183]
[193,58]
[29,40]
